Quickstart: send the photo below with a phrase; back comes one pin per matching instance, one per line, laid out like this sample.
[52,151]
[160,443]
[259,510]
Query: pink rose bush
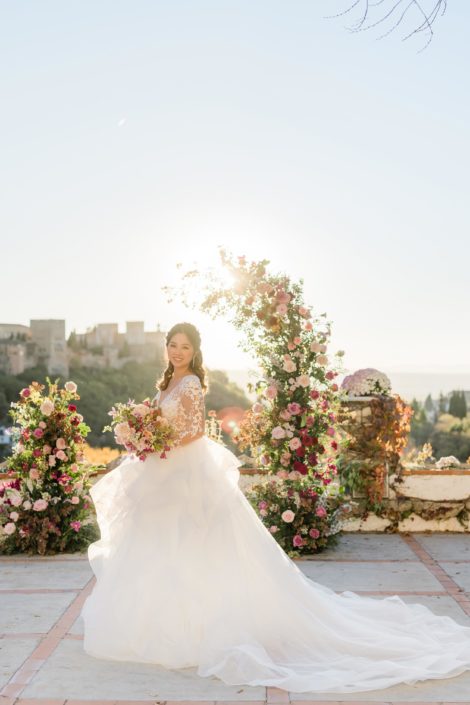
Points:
[289,426]
[44,504]
[141,428]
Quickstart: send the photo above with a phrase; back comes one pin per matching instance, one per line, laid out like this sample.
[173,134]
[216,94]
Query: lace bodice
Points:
[184,408]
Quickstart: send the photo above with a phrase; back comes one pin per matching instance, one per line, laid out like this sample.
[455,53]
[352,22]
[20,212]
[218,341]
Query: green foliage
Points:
[458,405]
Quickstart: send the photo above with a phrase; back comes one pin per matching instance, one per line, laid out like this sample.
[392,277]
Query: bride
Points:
[187,575]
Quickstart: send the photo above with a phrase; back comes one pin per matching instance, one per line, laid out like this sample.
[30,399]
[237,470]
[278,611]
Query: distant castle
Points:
[44,342]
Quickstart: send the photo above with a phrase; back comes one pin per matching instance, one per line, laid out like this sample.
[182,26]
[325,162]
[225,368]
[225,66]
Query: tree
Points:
[393,13]
[442,404]
[458,405]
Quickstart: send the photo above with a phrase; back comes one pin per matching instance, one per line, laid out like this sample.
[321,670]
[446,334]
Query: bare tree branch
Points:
[395,11]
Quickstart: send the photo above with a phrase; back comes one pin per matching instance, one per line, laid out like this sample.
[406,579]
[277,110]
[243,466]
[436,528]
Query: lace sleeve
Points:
[191,412]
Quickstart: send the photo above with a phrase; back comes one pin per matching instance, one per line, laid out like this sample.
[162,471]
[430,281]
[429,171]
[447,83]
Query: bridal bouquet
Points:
[141,428]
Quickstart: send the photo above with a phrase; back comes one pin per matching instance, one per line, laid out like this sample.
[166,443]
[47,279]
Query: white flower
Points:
[70,386]
[141,410]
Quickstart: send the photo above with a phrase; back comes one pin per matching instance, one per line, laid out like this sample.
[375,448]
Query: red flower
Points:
[300,467]
[300,451]
[26,392]
[314,394]
[72,407]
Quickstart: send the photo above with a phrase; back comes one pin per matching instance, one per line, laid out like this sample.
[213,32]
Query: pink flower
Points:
[278,432]
[14,516]
[288,516]
[39,505]
[314,394]
[34,474]
[70,386]
[257,408]
[9,528]
[271,391]
[27,504]
[263,512]
[295,443]
[315,347]
[262,504]
[289,365]
[308,325]
[322,360]
[304,312]
[42,424]
[298,540]
[273,529]
[75,499]
[38,433]
[47,407]
[282,474]
[46,449]
[323,347]
[37,452]
[320,512]
[294,408]
[281,309]
[314,533]
[331,431]
[330,375]
[60,443]
[26,392]
[283,297]
[16,500]
[285,415]
[52,461]
[290,346]
[76,525]
[60,455]
[303,381]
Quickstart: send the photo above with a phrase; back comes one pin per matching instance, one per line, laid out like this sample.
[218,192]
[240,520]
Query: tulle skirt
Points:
[188,576]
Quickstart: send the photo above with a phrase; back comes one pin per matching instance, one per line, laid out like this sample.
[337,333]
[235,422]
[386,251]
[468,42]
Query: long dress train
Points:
[187,575]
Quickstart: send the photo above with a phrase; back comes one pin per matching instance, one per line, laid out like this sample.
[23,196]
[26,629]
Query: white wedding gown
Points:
[187,575]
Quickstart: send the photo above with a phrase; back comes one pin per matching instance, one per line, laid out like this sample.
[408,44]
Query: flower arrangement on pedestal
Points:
[290,429]
[45,508]
[376,424]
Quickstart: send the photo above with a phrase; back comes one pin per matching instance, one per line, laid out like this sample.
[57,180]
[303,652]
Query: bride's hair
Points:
[195,365]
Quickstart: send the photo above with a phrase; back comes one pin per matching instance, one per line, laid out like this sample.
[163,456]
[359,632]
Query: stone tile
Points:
[370,576]
[368,547]
[12,654]
[451,690]
[450,547]
[32,613]
[459,572]
[71,673]
[47,574]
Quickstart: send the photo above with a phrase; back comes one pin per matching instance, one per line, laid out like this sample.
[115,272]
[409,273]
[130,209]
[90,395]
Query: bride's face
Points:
[180,351]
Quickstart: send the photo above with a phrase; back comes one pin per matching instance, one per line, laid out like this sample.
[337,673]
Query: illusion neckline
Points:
[160,400]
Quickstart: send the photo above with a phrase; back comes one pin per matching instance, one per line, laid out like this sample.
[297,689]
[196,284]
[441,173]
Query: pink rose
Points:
[330,375]
[42,424]
[273,529]
[46,449]
[262,504]
[314,533]
[39,505]
[76,525]
[60,455]
[320,512]
[295,443]
[290,346]
[285,415]
[322,360]
[75,499]
[282,309]
[9,528]
[27,504]
[304,312]
[257,408]
[283,297]
[278,432]
[47,407]
[70,386]
[38,433]
[303,381]
[271,391]
[52,461]
[26,392]
[16,500]
[294,408]
[288,516]
[263,512]
[282,474]
[60,443]
[331,431]
[297,340]
[289,365]
[34,474]
[298,540]
[14,516]
[308,325]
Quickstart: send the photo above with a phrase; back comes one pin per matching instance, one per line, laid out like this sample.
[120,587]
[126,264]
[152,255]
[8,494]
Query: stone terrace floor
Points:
[42,661]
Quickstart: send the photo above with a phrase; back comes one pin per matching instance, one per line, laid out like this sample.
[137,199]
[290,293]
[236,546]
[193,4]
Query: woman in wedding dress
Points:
[188,576]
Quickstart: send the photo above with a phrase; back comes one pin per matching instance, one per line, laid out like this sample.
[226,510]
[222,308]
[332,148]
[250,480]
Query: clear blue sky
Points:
[135,134]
